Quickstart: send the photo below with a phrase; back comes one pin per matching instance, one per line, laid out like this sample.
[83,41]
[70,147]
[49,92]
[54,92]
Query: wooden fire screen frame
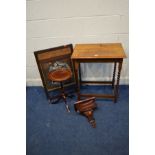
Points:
[50,58]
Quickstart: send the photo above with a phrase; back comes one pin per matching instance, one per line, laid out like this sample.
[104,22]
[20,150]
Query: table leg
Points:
[116,89]
[114,72]
[76,69]
[80,73]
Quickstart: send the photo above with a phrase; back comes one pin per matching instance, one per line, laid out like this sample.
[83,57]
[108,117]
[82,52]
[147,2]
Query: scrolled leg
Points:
[64,97]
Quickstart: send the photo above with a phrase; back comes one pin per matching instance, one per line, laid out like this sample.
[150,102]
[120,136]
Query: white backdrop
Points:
[53,23]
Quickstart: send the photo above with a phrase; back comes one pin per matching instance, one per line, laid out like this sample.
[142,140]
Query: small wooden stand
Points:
[61,75]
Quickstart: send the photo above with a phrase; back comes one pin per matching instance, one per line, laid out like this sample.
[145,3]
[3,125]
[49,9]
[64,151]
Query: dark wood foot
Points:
[54,100]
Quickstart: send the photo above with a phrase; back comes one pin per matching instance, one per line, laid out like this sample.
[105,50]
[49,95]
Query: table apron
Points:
[97,60]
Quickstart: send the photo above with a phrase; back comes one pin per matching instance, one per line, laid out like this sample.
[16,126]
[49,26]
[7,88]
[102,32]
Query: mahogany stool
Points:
[60,75]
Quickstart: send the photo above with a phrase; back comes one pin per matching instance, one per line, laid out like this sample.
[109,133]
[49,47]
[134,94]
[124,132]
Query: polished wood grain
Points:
[54,53]
[86,108]
[98,51]
[60,75]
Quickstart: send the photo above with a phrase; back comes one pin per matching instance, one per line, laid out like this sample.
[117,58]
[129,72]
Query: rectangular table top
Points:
[98,51]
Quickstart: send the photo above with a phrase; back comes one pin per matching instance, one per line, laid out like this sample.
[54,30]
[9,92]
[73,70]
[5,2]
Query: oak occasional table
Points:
[98,53]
